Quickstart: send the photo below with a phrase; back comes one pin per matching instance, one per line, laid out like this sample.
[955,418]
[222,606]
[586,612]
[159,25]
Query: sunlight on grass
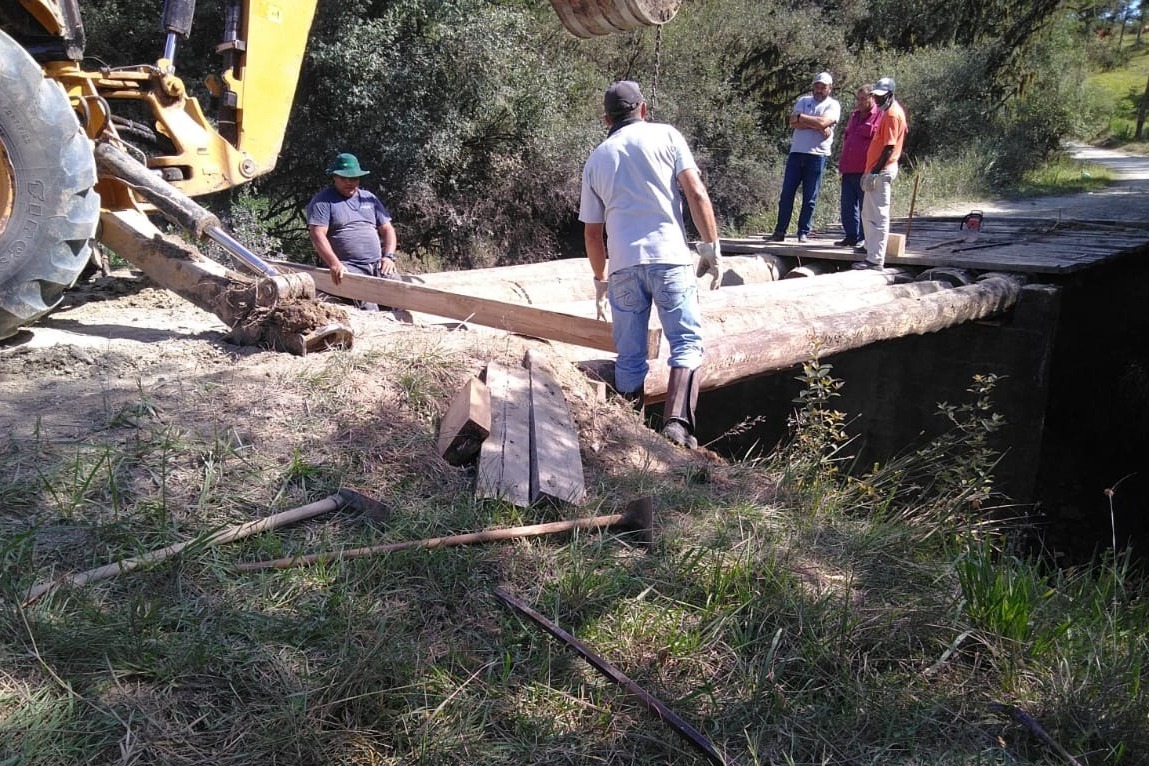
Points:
[1064,176]
[790,610]
[1118,93]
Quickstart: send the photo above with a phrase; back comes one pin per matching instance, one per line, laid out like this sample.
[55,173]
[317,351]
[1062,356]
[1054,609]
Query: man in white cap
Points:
[813,119]
[632,190]
[882,164]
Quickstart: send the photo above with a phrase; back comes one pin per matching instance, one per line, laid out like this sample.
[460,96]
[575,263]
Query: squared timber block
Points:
[504,471]
[895,245]
[466,424]
[556,463]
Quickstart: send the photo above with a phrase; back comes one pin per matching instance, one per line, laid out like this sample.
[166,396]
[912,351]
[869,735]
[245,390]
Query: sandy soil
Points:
[123,360]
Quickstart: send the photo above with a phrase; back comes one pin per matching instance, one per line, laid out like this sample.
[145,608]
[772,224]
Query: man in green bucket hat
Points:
[351,228]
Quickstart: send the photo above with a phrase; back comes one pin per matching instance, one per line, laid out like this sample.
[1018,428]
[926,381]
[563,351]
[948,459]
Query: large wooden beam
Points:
[569,279]
[756,314]
[556,463]
[740,356]
[466,424]
[524,320]
[504,471]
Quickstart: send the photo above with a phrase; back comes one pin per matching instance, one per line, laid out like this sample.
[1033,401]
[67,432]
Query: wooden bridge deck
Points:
[1006,244]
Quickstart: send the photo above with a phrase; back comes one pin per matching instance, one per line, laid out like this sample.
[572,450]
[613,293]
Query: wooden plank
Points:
[466,424]
[511,317]
[505,460]
[556,463]
[1006,243]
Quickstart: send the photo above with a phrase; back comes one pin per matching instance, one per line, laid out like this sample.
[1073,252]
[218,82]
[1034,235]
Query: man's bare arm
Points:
[701,210]
[323,247]
[595,243]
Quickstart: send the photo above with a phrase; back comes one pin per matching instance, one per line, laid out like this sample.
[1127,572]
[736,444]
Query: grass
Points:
[849,621]
[1118,92]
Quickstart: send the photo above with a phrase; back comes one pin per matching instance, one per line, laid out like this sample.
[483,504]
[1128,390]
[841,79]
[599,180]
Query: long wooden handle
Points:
[913,201]
[225,535]
[469,538]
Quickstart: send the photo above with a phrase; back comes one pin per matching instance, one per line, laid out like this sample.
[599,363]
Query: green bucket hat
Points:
[346,165]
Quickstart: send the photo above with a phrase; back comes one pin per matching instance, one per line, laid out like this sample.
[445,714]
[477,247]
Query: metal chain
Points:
[657,68]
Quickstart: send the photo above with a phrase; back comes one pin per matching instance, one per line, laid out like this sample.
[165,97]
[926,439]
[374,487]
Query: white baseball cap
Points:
[825,78]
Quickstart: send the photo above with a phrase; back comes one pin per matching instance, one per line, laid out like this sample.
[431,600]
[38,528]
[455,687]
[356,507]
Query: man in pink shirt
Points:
[860,128]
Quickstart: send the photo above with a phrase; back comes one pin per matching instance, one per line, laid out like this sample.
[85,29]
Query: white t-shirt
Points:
[811,140]
[630,184]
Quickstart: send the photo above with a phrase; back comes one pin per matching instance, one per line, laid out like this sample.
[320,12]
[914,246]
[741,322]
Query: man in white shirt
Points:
[631,206]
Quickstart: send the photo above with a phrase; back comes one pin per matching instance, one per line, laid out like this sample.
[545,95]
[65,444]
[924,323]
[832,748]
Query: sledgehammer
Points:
[638,519]
[344,499]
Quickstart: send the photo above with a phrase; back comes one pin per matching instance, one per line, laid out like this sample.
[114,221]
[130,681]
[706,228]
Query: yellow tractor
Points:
[72,170]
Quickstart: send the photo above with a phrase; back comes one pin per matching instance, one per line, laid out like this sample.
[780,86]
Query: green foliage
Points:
[817,431]
[1116,95]
[944,488]
[475,116]
[799,627]
[1000,595]
[965,455]
[470,144]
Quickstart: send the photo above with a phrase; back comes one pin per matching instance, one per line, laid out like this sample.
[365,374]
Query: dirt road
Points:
[1127,199]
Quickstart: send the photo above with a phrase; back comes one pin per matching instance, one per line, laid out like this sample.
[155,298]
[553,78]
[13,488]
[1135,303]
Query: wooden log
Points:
[569,279]
[466,424]
[556,463]
[505,459]
[524,320]
[845,287]
[797,310]
[741,356]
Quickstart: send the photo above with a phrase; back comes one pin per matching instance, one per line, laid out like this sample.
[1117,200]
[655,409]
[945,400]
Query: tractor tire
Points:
[48,208]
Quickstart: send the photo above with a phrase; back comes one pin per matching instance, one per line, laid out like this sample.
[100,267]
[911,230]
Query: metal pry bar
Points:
[649,701]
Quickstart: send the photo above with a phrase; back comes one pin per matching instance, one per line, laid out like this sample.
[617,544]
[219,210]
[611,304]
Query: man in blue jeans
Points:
[631,206]
[813,119]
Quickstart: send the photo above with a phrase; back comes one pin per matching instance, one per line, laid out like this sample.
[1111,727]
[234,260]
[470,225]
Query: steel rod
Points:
[648,700]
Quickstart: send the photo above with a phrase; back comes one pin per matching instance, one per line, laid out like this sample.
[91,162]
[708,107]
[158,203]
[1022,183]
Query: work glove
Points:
[869,182]
[710,262]
[600,301]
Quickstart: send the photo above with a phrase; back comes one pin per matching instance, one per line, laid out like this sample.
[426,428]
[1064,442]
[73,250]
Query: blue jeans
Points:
[673,290]
[852,196]
[803,170]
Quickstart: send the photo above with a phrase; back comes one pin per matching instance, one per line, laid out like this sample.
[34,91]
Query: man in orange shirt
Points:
[882,162]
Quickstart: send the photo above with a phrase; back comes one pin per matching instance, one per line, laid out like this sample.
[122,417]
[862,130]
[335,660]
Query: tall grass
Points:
[866,617]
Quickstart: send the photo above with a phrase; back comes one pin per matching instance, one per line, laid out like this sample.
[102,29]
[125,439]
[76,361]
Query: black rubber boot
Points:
[681,402]
[636,399]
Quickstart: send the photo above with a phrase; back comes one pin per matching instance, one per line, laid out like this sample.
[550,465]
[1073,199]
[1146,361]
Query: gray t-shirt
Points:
[352,224]
[811,140]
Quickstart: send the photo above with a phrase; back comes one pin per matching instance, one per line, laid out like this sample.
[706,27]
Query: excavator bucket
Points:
[270,309]
[593,18]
